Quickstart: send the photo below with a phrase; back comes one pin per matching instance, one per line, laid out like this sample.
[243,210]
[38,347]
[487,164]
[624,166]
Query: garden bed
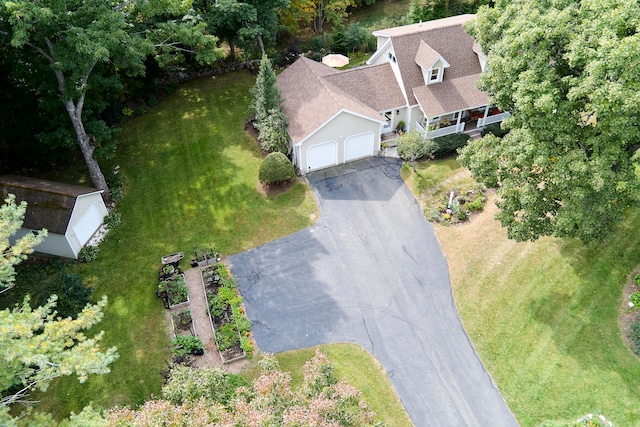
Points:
[228,320]
[182,322]
[175,289]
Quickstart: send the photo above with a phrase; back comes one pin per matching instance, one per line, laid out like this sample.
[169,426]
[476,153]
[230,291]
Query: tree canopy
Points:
[569,73]
[36,345]
[74,37]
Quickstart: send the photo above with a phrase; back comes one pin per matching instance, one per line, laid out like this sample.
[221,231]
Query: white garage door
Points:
[88,224]
[358,146]
[322,155]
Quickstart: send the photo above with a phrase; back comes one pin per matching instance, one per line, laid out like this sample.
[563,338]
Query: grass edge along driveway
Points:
[543,315]
[192,174]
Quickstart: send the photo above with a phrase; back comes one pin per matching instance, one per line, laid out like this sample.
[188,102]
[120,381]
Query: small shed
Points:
[72,214]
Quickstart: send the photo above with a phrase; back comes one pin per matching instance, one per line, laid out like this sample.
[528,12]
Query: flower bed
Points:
[230,324]
[456,206]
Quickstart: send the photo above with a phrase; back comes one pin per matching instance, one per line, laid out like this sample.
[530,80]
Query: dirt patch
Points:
[628,315]
[274,189]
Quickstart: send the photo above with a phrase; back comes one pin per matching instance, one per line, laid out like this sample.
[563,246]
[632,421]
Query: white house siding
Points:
[343,125]
[53,244]
[82,205]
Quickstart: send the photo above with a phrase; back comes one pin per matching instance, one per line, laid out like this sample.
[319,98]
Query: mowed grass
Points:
[192,181]
[544,317]
[359,368]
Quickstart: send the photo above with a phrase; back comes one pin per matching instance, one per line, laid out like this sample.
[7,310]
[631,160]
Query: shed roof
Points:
[49,204]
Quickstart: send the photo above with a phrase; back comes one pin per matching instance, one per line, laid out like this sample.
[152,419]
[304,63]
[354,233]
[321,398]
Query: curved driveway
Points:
[370,271]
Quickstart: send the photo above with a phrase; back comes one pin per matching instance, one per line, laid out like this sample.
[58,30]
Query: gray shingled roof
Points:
[310,100]
[49,204]
[444,36]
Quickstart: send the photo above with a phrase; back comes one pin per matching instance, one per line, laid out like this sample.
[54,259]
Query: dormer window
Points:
[431,63]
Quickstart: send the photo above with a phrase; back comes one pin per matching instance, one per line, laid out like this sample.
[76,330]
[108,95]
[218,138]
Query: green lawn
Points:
[360,369]
[544,317]
[192,174]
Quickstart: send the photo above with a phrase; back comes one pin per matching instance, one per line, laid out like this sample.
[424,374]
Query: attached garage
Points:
[358,146]
[71,214]
[347,136]
[322,155]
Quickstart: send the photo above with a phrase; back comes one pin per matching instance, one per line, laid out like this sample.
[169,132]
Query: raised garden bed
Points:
[228,320]
[173,291]
[182,322]
[202,257]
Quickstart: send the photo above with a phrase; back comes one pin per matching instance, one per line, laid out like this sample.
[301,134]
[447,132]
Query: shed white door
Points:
[88,224]
[358,146]
[322,155]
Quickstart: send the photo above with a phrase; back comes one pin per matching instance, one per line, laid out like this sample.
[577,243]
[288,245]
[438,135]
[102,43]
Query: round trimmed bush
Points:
[276,167]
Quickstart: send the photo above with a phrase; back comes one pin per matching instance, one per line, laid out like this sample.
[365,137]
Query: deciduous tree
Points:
[73,37]
[569,73]
[412,146]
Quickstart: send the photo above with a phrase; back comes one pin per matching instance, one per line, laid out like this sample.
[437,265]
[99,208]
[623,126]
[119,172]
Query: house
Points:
[71,214]
[424,75]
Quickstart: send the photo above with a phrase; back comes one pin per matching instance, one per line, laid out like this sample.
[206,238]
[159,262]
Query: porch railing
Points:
[446,130]
[492,119]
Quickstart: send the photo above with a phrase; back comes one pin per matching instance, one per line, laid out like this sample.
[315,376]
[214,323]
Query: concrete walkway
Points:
[371,271]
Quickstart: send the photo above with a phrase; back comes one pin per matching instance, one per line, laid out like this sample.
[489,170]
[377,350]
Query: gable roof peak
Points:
[426,56]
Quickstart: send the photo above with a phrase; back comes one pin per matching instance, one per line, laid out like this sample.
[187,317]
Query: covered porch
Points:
[469,121]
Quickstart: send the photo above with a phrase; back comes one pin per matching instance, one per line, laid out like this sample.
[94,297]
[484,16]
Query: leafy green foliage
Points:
[190,384]
[427,10]
[635,299]
[412,146]
[76,39]
[112,220]
[449,144]
[88,254]
[634,337]
[266,102]
[565,71]
[495,129]
[184,345]
[358,38]
[11,219]
[276,167]
[636,279]
[36,348]
[273,132]
[206,397]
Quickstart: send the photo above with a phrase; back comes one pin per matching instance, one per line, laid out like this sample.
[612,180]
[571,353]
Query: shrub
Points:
[112,220]
[359,38]
[272,132]
[495,129]
[634,337]
[475,206]
[186,344]
[187,384]
[636,279]
[635,299]
[448,144]
[276,167]
[115,182]
[88,253]
[412,146]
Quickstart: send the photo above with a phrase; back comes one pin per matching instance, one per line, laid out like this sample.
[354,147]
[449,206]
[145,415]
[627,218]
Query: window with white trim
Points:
[435,75]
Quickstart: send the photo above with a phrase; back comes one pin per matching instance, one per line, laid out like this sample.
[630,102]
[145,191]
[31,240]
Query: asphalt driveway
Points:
[370,271]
